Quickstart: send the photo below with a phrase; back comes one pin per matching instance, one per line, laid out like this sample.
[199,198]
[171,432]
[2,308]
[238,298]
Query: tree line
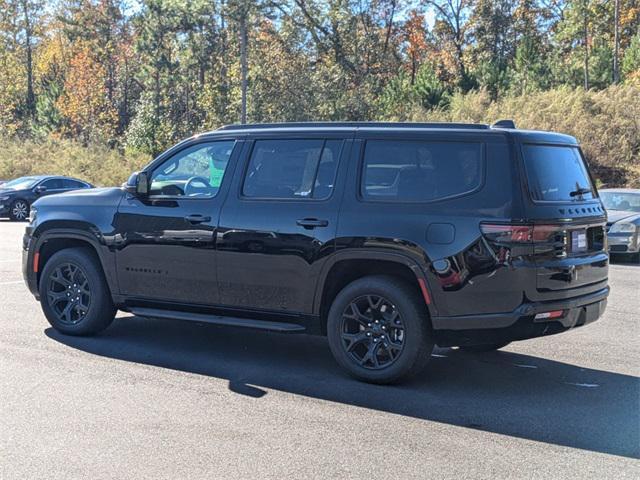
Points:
[142,75]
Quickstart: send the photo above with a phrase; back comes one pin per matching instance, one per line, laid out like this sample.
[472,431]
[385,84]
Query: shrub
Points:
[605,122]
[97,164]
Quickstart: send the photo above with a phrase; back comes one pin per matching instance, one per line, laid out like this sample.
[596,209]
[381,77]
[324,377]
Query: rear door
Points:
[569,221]
[279,222]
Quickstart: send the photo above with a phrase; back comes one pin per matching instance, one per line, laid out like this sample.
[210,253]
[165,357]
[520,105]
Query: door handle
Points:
[310,223]
[196,218]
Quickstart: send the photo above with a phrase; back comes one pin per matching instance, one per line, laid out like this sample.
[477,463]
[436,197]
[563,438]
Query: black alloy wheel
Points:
[69,293]
[379,329]
[372,332]
[74,293]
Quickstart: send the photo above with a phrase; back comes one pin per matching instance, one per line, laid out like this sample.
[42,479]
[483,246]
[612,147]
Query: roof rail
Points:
[506,123]
[255,126]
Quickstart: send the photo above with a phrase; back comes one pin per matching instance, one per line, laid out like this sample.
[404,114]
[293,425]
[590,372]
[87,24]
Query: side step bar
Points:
[281,327]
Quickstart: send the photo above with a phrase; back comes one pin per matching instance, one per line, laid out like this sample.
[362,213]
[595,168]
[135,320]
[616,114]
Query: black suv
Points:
[387,238]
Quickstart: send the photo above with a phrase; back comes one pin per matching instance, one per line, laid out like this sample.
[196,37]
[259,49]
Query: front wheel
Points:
[74,294]
[379,331]
[19,211]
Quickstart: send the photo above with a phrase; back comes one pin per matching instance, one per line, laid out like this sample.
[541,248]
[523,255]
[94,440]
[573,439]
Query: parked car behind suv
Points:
[387,238]
[17,195]
[623,221]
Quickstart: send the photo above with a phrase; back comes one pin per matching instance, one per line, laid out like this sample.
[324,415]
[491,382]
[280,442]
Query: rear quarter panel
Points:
[462,276]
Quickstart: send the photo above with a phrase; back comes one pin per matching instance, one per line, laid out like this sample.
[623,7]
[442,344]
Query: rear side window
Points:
[73,184]
[286,169]
[556,173]
[418,171]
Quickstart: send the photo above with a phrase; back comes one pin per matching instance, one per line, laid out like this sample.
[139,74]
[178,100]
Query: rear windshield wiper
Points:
[580,191]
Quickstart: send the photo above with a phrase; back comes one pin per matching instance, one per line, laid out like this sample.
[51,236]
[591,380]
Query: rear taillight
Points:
[517,233]
[503,233]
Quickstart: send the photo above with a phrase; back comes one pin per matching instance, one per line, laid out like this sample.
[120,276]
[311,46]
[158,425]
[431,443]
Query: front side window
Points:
[419,171]
[556,173]
[292,169]
[196,171]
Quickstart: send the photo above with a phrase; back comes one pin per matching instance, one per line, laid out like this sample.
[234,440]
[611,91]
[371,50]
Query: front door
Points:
[166,241]
[278,224]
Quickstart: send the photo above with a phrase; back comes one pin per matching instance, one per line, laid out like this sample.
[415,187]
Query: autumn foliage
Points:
[129,80]
[84,103]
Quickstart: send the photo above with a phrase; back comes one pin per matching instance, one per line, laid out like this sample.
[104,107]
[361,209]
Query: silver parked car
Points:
[623,225]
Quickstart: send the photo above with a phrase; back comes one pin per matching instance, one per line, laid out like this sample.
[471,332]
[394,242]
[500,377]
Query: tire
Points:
[395,347]
[490,347]
[19,210]
[69,272]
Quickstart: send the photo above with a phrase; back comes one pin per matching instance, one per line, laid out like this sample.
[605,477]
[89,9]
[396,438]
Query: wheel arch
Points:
[345,267]
[51,241]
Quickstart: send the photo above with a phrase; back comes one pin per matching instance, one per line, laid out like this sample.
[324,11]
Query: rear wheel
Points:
[19,211]
[489,347]
[74,294]
[379,331]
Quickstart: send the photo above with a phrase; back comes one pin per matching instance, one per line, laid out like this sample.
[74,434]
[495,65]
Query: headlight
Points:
[623,228]
[5,198]
[32,214]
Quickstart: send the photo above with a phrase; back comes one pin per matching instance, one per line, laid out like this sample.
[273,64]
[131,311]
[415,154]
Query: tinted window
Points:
[292,169]
[72,184]
[53,184]
[416,171]
[556,173]
[196,171]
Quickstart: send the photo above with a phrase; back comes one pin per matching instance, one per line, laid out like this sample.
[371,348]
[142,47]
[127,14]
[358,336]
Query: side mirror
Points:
[40,189]
[138,184]
[142,187]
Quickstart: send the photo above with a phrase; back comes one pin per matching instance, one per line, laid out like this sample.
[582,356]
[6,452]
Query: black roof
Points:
[501,126]
[506,127]
[354,125]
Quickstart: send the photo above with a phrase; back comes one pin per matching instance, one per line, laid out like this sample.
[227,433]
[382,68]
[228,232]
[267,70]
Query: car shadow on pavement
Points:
[501,392]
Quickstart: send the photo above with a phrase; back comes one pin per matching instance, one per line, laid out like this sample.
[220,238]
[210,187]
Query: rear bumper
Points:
[521,323]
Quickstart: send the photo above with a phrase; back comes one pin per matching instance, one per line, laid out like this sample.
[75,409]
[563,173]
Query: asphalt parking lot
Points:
[161,399]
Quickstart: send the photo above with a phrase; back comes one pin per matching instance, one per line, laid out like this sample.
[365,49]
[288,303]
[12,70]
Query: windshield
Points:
[21,183]
[621,201]
[557,173]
